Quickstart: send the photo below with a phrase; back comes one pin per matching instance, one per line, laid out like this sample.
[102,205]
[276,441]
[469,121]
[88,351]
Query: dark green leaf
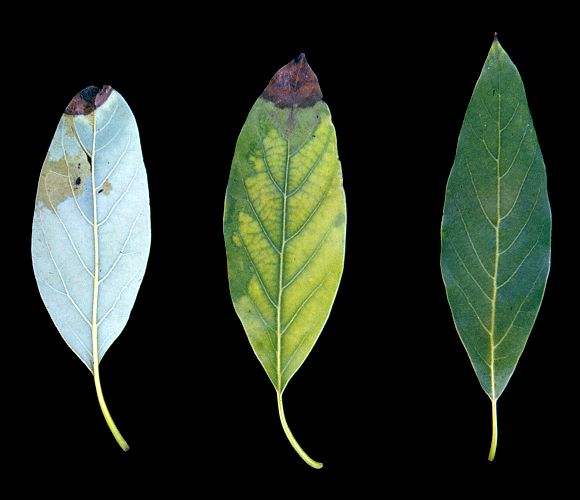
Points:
[495,253]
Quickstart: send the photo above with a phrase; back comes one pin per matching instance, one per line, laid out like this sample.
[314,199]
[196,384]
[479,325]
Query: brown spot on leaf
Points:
[106,189]
[294,85]
[61,176]
[87,100]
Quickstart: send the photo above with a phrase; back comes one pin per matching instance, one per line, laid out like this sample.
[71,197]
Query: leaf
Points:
[284,225]
[495,235]
[91,229]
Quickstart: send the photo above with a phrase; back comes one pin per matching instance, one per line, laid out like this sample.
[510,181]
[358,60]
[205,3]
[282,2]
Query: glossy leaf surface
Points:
[496,228]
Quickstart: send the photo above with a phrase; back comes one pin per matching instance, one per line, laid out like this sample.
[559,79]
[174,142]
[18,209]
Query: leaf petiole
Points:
[293,442]
[493,430]
[122,443]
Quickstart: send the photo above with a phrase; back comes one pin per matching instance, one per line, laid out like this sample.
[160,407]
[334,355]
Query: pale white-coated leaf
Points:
[64,226]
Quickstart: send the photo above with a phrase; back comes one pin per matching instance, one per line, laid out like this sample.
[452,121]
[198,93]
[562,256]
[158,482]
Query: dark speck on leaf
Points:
[78,181]
[100,190]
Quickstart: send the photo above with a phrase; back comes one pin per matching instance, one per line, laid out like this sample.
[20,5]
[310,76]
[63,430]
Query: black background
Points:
[388,389]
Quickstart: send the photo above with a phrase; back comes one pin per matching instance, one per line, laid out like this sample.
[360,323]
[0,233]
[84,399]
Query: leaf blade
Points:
[71,216]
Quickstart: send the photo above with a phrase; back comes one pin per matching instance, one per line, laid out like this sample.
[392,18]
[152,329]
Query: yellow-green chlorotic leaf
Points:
[284,224]
[496,230]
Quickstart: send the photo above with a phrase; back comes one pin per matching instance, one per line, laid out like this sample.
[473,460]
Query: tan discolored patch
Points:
[62,178]
[106,189]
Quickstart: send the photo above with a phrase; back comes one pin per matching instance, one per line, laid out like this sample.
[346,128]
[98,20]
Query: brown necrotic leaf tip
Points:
[294,85]
[87,100]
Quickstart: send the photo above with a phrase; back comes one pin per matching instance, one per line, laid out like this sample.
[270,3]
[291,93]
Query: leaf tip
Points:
[301,58]
[294,85]
[496,45]
[88,100]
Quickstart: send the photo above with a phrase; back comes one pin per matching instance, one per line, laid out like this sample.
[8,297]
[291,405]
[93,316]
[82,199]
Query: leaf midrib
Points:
[96,281]
[497,254]
[281,272]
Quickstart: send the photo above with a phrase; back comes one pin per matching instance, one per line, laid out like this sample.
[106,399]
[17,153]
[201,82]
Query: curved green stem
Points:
[122,443]
[293,442]
[493,430]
